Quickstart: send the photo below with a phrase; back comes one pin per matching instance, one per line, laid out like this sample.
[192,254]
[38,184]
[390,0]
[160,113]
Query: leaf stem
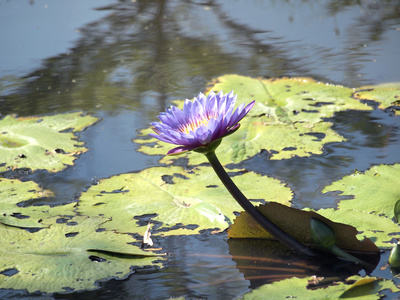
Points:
[274,230]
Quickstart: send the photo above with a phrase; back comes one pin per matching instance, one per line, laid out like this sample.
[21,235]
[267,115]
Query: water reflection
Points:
[172,48]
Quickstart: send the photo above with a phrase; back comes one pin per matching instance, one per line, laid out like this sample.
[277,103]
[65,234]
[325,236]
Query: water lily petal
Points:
[201,122]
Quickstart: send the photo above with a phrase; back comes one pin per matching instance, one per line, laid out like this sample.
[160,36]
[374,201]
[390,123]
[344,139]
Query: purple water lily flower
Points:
[201,122]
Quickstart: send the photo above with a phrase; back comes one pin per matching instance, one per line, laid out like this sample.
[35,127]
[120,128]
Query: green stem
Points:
[274,230]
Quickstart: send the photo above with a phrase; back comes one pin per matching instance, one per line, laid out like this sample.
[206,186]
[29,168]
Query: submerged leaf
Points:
[66,256]
[41,142]
[184,201]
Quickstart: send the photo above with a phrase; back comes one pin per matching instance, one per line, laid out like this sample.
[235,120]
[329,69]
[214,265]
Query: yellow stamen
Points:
[194,125]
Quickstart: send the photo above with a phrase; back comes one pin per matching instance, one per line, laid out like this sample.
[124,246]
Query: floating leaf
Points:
[298,288]
[290,99]
[14,192]
[184,201]
[66,256]
[41,142]
[283,141]
[287,120]
[296,223]
[379,229]
[376,190]
[388,95]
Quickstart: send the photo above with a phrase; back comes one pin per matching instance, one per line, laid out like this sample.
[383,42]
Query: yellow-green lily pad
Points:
[375,190]
[46,142]
[14,192]
[65,257]
[368,288]
[290,100]
[184,201]
[287,120]
[387,95]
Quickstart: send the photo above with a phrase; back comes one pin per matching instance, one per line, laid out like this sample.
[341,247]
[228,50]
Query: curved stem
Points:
[274,230]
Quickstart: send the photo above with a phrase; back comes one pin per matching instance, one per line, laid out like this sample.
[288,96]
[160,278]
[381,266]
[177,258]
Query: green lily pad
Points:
[375,191]
[287,119]
[14,192]
[41,142]
[68,256]
[283,141]
[290,99]
[379,229]
[302,288]
[184,201]
[387,94]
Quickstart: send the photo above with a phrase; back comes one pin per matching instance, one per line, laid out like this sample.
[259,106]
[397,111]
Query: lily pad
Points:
[184,201]
[14,192]
[67,256]
[300,288]
[287,120]
[41,142]
[289,100]
[283,141]
[388,95]
[375,191]
[379,229]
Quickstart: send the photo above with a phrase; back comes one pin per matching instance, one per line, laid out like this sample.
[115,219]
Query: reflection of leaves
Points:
[375,191]
[264,261]
[66,256]
[299,288]
[388,95]
[296,223]
[175,197]
[14,192]
[41,142]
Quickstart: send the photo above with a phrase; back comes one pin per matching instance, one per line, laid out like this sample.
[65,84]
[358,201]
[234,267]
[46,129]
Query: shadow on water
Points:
[128,65]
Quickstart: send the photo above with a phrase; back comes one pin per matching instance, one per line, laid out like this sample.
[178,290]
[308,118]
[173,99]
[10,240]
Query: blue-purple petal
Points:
[200,122]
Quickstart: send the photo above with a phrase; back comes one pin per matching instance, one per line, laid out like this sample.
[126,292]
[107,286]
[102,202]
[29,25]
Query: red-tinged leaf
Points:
[296,223]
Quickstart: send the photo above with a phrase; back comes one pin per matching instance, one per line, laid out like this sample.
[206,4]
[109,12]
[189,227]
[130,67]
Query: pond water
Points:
[125,61]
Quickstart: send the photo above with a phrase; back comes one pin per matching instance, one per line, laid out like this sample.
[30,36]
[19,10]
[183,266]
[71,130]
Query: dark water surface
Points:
[124,61]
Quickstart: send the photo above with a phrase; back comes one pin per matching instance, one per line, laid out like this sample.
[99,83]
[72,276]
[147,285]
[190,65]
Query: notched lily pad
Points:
[375,191]
[66,257]
[388,95]
[41,142]
[287,120]
[300,288]
[13,193]
[185,202]
[290,100]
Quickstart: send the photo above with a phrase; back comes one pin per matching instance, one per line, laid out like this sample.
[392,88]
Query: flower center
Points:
[192,126]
